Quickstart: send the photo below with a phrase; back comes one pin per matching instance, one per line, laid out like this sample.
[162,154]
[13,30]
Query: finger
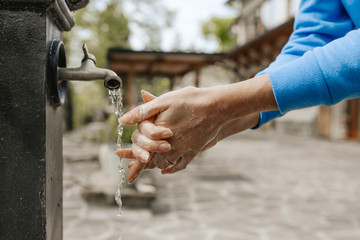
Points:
[146,96]
[181,164]
[169,160]
[148,144]
[147,127]
[135,170]
[125,153]
[165,164]
[130,164]
[150,130]
[142,112]
[140,154]
[155,159]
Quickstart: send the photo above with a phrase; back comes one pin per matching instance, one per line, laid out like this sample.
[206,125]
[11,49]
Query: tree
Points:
[104,24]
[100,29]
[149,17]
[218,28]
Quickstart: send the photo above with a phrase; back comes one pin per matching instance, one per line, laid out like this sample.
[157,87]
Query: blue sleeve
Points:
[317,23]
[324,76]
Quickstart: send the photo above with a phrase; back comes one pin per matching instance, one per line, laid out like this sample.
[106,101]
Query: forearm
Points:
[238,125]
[237,100]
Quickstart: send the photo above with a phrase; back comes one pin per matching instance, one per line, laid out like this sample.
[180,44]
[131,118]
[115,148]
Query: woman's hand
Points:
[150,128]
[192,115]
[146,139]
[196,116]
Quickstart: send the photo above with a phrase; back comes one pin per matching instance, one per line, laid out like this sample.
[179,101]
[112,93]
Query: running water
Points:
[116,98]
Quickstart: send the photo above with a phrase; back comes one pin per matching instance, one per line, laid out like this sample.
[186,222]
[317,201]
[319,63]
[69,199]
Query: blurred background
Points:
[295,178]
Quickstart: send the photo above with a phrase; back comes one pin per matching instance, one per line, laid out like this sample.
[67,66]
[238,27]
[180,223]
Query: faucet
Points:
[88,72]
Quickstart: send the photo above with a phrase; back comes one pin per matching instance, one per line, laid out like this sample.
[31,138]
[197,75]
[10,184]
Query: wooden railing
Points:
[259,16]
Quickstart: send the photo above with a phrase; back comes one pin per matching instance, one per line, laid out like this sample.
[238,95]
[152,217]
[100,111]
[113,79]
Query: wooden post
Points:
[197,76]
[324,122]
[353,121]
[130,90]
[172,83]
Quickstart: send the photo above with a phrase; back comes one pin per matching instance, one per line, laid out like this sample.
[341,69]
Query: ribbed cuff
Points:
[299,84]
[266,117]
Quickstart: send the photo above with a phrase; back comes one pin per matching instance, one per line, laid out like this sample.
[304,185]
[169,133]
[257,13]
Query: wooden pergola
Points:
[258,53]
[128,64]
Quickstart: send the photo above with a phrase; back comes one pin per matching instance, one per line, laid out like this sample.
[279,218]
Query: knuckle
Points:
[136,151]
[154,147]
[134,135]
[189,88]
[154,133]
[150,166]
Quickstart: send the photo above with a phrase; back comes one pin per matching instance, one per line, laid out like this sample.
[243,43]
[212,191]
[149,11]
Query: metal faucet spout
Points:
[88,72]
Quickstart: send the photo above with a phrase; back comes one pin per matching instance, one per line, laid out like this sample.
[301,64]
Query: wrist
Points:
[217,102]
[239,125]
[251,96]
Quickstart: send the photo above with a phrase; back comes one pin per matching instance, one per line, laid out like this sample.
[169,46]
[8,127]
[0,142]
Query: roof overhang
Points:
[158,63]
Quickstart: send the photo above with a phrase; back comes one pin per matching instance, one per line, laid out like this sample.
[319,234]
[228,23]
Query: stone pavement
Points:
[253,186]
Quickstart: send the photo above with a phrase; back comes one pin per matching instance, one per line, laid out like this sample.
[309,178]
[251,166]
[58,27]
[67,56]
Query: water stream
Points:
[116,99]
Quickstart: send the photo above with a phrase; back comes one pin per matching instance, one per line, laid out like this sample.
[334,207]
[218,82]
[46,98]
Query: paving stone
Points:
[253,186]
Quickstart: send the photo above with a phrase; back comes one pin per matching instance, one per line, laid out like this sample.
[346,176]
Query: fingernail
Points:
[126,118]
[165,147]
[144,91]
[167,134]
[133,178]
[144,157]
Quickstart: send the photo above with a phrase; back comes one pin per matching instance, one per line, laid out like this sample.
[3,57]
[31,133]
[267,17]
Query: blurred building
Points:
[262,29]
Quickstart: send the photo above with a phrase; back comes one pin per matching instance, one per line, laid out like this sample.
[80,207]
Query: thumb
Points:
[142,112]
[146,96]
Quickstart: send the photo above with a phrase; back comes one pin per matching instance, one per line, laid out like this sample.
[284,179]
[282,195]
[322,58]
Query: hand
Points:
[149,129]
[232,127]
[192,116]
[148,132]
[148,136]
[197,115]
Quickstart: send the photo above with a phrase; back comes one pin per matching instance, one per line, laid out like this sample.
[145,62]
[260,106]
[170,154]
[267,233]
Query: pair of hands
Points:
[175,127]
[172,130]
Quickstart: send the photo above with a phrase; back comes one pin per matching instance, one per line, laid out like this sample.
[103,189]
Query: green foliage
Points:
[149,17]
[127,132]
[155,85]
[104,24]
[99,29]
[218,28]
[88,102]
[101,25]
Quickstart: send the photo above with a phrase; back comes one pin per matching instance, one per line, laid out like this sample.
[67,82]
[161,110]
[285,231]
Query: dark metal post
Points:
[30,128]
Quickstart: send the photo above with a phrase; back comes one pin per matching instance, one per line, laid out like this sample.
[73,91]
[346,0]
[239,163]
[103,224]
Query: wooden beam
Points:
[353,124]
[130,89]
[197,75]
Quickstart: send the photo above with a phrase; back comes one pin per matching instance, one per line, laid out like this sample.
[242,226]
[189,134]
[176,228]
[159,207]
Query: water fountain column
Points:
[30,127]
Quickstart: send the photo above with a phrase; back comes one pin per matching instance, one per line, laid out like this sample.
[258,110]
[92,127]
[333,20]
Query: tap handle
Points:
[87,55]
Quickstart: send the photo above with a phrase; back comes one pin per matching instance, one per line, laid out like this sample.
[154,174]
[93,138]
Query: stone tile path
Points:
[253,186]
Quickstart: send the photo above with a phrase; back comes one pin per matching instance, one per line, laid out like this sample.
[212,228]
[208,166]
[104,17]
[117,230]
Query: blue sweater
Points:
[320,64]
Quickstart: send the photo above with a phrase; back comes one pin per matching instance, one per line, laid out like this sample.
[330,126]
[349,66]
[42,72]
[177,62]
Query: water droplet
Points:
[116,98]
